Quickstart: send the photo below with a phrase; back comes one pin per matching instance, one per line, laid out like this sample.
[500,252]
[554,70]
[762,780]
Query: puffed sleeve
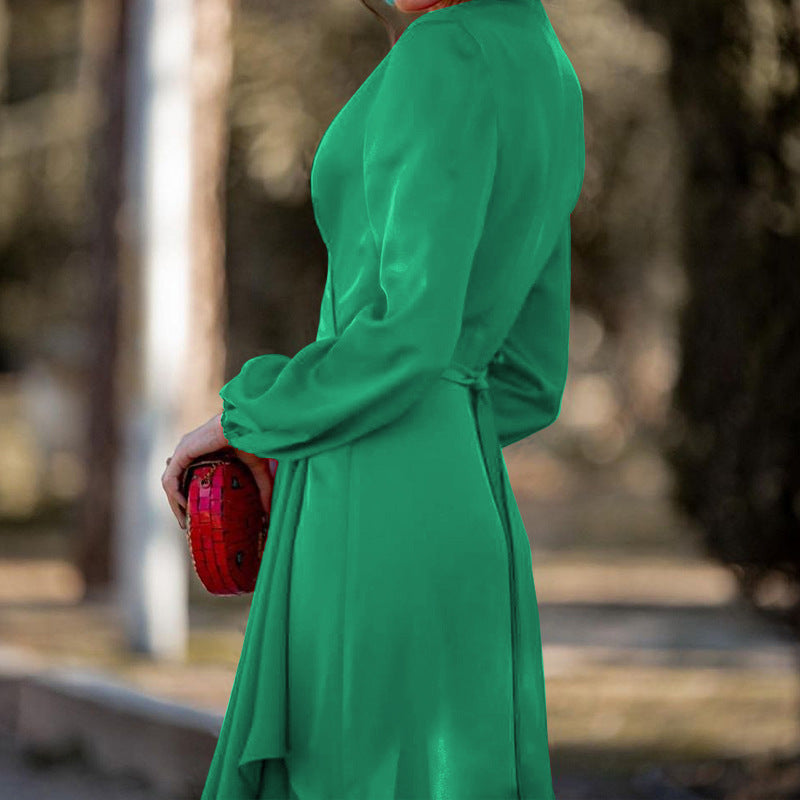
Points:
[430,155]
[528,375]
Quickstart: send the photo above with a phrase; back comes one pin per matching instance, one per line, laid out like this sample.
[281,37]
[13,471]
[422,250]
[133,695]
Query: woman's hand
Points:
[259,467]
[205,439]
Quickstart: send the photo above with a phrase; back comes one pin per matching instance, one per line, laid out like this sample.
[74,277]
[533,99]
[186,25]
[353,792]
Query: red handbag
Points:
[226,525]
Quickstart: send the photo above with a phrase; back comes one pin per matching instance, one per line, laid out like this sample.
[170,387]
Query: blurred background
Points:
[156,231]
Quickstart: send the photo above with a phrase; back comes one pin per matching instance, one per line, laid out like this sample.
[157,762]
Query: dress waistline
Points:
[477,381]
[476,378]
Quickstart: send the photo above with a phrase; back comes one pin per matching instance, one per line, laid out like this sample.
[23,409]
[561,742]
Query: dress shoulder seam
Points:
[489,75]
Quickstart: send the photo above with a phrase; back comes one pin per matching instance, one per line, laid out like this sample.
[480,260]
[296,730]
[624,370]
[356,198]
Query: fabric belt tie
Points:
[478,382]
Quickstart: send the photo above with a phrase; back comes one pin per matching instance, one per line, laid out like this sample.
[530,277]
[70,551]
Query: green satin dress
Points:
[393,650]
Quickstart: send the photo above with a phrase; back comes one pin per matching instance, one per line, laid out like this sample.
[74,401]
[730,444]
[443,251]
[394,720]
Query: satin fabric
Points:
[393,648]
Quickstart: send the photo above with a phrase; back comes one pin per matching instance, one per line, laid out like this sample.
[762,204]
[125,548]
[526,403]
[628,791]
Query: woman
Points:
[393,647]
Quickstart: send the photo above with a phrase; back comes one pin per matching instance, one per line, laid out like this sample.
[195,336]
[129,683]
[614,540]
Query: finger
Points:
[171,478]
[264,491]
[175,498]
[260,472]
[180,514]
[178,505]
[172,487]
[176,508]
[259,469]
[172,475]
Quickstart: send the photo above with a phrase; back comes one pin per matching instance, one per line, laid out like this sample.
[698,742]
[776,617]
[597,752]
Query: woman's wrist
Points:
[221,429]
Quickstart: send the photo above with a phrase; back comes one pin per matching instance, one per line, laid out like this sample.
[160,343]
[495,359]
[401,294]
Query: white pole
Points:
[152,555]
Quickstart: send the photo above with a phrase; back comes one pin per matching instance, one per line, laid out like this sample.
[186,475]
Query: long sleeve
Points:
[429,162]
[528,374]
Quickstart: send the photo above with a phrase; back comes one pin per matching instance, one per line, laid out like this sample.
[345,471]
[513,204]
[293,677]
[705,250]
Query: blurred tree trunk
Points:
[102,84]
[155,364]
[3,44]
[212,73]
[179,71]
[735,82]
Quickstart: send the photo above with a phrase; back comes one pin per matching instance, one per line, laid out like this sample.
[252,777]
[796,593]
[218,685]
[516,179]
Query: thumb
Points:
[264,483]
[260,471]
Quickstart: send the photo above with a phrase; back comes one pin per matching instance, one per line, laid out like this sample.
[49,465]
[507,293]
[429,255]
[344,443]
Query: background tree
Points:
[735,85]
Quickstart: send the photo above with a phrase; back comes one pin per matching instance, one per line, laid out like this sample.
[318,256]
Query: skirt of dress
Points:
[388,653]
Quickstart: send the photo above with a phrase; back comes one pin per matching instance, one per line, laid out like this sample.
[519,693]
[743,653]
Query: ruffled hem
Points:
[253,740]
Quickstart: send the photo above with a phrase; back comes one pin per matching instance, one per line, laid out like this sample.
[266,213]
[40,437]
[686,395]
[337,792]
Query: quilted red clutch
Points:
[226,525]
